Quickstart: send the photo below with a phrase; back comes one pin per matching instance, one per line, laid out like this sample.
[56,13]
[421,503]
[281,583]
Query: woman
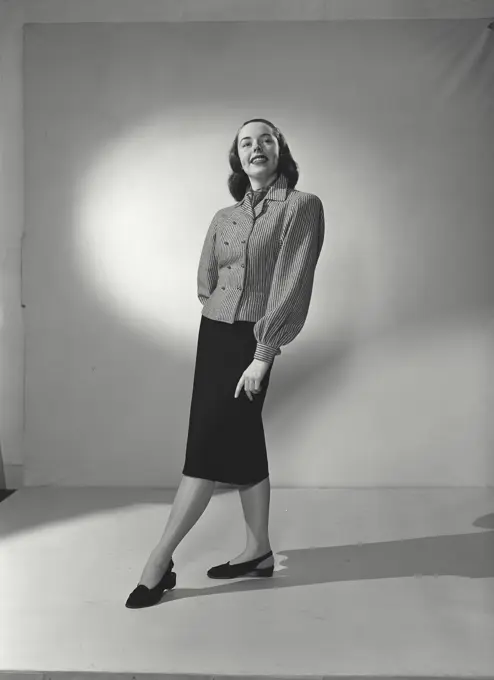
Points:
[255,281]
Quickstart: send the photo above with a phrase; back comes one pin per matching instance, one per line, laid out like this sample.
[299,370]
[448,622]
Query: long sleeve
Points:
[207,273]
[293,277]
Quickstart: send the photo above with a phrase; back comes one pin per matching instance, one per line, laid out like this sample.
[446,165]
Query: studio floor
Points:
[367,582]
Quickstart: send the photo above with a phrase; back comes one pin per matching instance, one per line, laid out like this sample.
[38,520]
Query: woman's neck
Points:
[257,184]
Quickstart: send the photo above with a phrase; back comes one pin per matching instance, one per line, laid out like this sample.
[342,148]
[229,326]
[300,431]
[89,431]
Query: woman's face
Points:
[257,139]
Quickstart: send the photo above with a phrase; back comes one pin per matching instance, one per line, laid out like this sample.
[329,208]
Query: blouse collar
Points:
[276,191]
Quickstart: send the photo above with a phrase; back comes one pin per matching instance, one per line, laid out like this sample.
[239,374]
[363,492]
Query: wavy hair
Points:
[238,181]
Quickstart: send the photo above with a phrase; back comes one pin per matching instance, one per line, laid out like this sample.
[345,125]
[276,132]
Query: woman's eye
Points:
[244,145]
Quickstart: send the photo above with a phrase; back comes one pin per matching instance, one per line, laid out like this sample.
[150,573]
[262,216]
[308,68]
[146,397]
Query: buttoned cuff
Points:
[266,353]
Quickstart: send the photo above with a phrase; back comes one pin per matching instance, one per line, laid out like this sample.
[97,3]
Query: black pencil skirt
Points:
[225,441]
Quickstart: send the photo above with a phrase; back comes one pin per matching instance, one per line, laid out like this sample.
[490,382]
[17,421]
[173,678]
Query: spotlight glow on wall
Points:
[141,215]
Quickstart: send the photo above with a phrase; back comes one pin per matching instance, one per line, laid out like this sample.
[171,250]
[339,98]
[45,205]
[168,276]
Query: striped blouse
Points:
[258,263]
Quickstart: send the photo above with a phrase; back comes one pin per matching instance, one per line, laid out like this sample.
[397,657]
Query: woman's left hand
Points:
[252,377]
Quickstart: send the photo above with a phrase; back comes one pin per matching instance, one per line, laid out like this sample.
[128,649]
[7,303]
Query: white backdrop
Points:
[127,129]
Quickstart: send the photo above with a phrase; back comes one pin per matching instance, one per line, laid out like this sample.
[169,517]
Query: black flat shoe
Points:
[142,596]
[228,570]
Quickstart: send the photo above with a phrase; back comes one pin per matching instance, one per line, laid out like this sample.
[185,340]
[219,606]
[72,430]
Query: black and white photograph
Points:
[247,339]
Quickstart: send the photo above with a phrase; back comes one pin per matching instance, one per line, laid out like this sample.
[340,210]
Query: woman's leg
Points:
[191,499]
[255,503]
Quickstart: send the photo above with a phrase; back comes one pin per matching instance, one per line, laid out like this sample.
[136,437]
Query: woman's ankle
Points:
[258,550]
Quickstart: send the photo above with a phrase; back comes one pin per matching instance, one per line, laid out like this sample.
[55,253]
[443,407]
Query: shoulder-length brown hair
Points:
[238,181]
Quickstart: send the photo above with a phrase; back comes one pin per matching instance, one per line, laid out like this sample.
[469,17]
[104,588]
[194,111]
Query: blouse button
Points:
[234,222]
[226,243]
[229,267]
[242,265]
[242,241]
[222,287]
